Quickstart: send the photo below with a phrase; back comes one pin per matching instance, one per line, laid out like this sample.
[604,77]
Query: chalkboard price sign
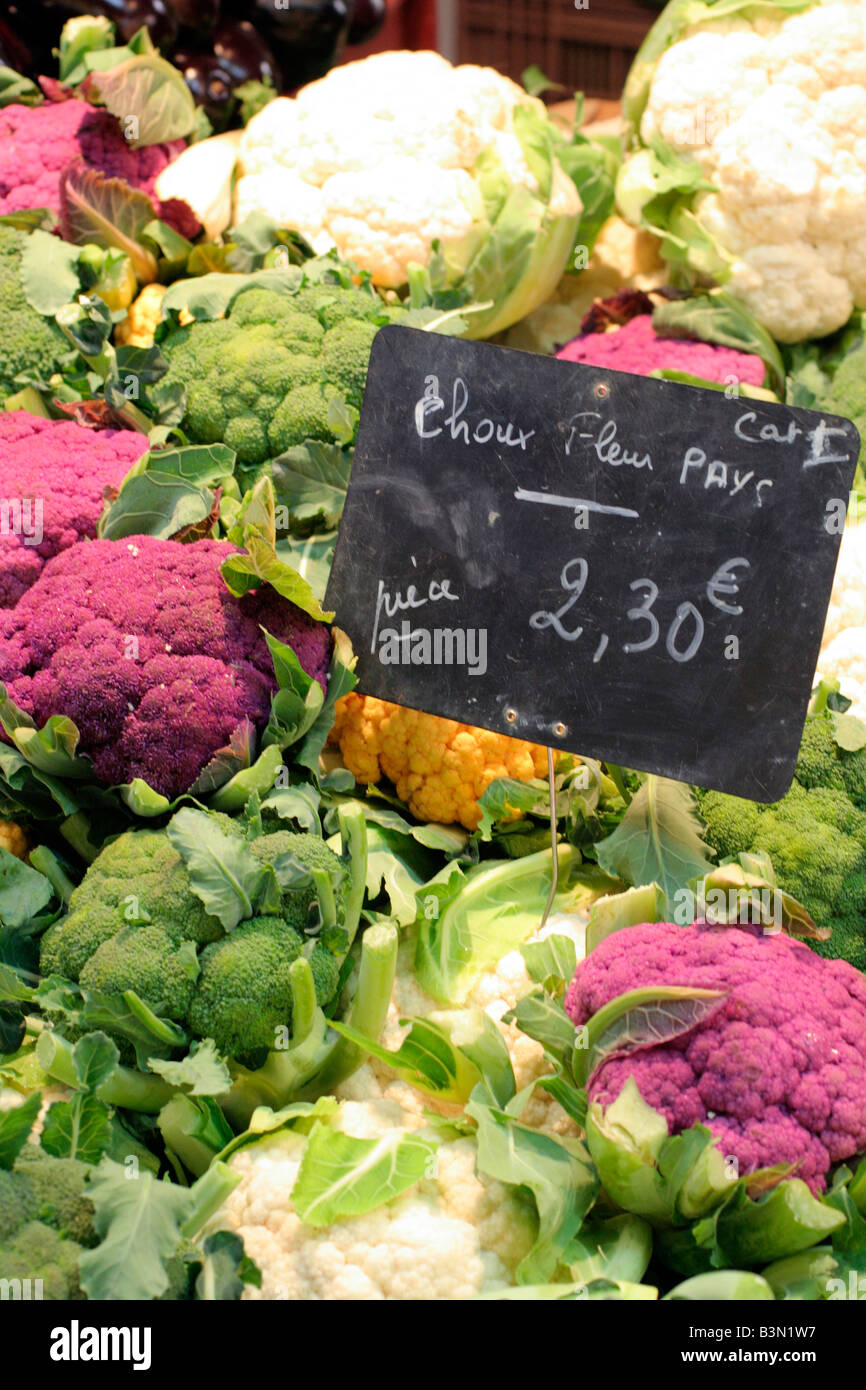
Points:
[632,569]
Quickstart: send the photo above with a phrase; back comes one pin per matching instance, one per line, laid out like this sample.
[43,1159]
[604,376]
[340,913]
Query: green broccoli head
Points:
[33,346]
[243,995]
[148,961]
[37,1252]
[261,379]
[135,923]
[138,879]
[300,905]
[57,1184]
[731,822]
[815,836]
[18,1202]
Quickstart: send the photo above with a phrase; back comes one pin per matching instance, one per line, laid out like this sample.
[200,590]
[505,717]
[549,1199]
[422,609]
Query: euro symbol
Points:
[723,582]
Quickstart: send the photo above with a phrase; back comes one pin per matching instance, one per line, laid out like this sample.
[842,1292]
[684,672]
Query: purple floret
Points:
[778,1072]
[36,142]
[637,348]
[56,472]
[140,643]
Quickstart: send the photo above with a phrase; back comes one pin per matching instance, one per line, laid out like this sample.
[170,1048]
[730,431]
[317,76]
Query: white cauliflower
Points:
[496,991]
[452,1235]
[384,157]
[843,647]
[774,111]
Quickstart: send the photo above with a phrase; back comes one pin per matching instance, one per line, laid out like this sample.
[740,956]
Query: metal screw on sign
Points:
[551,782]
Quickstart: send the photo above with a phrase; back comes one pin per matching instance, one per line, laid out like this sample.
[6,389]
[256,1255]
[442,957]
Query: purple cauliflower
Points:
[777,1072]
[142,645]
[55,472]
[637,347]
[37,142]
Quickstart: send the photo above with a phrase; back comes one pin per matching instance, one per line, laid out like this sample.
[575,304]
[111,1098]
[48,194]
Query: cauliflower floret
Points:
[387,217]
[291,202]
[496,991]
[701,85]
[451,1236]
[789,289]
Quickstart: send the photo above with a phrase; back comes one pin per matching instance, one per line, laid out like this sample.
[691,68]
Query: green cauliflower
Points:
[815,837]
[264,377]
[33,346]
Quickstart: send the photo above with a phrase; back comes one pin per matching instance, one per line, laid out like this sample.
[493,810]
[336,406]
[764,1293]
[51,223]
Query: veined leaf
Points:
[15,1127]
[78,1128]
[146,90]
[223,872]
[107,212]
[658,840]
[641,1018]
[342,1176]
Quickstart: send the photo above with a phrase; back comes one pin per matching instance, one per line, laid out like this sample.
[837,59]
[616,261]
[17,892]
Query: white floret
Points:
[452,1236]
[843,646]
[788,287]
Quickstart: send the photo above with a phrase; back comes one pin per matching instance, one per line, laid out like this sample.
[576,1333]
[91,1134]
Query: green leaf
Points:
[849,732]
[641,1018]
[658,840]
[79,1128]
[535,82]
[505,797]
[223,871]
[130,1017]
[95,1058]
[311,481]
[400,866]
[299,804]
[543,1018]
[256,532]
[341,680]
[49,272]
[139,1224]
[203,1072]
[557,1172]
[225,1269]
[18,90]
[166,490]
[619,1247]
[478,918]
[341,1176]
[618,910]
[446,1055]
[717,317]
[107,212]
[23,891]
[148,91]
[551,962]
[15,1127]
[79,36]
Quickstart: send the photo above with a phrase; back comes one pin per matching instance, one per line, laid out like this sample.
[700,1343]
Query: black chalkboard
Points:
[631,569]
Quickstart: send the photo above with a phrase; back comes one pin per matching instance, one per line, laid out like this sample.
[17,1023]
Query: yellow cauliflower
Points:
[145,312]
[439,767]
[13,839]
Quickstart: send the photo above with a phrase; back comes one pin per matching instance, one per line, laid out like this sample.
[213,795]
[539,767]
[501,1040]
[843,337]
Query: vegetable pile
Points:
[370,1007]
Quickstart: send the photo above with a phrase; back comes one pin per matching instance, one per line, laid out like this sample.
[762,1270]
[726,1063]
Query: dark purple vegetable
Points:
[368,16]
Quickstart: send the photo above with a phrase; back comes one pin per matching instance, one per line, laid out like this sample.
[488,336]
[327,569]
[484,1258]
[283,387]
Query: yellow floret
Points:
[13,839]
[439,767]
[145,312]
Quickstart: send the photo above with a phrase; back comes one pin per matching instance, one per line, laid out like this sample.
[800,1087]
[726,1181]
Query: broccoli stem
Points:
[210,1191]
[126,1088]
[194,1130]
[50,867]
[303,1000]
[353,832]
[325,896]
[369,1010]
